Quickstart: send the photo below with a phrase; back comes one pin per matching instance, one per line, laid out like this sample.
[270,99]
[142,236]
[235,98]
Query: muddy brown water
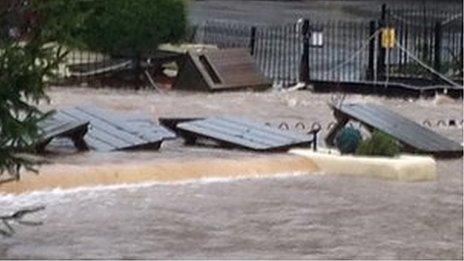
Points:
[293,215]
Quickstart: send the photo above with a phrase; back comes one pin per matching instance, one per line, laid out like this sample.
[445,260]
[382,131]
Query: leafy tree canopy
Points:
[136,27]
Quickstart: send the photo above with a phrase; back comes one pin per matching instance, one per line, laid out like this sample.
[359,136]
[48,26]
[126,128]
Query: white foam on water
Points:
[59,194]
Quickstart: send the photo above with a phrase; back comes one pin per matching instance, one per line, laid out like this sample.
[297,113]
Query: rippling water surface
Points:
[299,216]
[304,216]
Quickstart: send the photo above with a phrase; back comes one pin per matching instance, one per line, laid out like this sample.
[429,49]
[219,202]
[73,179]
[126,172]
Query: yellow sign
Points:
[388,37]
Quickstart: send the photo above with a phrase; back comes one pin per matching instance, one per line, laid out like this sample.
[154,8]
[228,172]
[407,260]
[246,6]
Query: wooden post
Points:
[370,66]
[382,51]
[341,122]
[252,40]
[383,13]
[437,49]
[136,71]
[304,66]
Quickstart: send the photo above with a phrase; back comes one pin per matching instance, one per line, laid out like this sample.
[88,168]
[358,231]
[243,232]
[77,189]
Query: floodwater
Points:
[290,216]
[293,216]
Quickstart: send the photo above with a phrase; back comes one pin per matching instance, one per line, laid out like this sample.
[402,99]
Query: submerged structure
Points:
[215,70]
[411,135]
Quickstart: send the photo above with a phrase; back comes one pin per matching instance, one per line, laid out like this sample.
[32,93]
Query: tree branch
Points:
[18,218]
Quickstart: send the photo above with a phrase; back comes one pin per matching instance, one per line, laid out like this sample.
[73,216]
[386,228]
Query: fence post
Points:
[304,66]
[381,57]
[137,69]
[437,49]
[252,40]
[370,65]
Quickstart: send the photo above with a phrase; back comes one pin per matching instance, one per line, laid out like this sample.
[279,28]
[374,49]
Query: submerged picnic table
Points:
[239,132]
[55,127]
[109,131]
[414,137]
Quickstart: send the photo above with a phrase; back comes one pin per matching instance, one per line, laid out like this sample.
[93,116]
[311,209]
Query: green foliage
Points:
[134,28]
[24,67]
[451,68]
[454,68]
[379,144]
[190,32]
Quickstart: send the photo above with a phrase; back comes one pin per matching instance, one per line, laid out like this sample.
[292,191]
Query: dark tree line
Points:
[34,38]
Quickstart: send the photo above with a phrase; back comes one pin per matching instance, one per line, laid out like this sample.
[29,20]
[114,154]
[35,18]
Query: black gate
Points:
[339,56]
[427,48]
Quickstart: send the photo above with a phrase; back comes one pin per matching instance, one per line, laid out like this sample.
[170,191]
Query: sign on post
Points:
[388,37]
[317,38]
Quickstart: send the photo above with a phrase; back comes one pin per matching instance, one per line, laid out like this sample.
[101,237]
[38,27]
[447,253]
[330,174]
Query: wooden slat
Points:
[141,127]
[243,133]
[54,127]
[401,128]
[118,135]
[110,131]
[90,138]
[233,68]
[111,140]
[147,129]
[259,133]
[57,128]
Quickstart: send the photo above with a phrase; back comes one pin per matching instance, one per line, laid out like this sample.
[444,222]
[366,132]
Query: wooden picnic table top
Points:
[109,131]
[55,127]
[244,133]
[404,130]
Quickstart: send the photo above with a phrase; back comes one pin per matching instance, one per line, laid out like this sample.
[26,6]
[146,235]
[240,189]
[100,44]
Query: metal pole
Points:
[252,40]
[370,66]
[381,57]
[437,47]
[304,68]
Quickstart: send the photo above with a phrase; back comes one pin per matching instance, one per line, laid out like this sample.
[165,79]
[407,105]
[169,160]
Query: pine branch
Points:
[17,217]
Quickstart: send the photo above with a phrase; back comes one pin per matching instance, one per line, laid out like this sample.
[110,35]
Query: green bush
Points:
[379,144]
[131,27]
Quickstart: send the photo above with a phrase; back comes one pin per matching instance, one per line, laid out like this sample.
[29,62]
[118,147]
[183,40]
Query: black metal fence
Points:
[432,35]
[338,56]
[337,51]
[276,49]
[352,51]
[343,56]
